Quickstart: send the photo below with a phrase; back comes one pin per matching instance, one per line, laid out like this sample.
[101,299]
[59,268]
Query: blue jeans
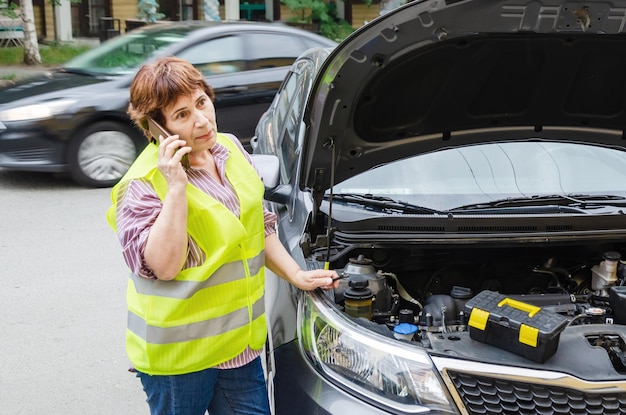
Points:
[240,391]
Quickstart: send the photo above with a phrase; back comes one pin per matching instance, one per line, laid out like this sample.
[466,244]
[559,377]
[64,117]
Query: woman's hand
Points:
[171,151]
[318,278]
[166,247]
[278,260]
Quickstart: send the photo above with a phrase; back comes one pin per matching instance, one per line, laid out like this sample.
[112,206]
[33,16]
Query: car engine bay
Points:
[425,290]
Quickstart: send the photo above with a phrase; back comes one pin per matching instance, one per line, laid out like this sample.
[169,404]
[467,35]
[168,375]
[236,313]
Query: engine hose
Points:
[403,293]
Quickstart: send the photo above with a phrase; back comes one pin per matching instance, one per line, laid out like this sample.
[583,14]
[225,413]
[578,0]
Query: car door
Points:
[284,123]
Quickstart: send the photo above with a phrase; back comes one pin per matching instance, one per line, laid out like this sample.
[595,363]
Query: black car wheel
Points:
[103,153]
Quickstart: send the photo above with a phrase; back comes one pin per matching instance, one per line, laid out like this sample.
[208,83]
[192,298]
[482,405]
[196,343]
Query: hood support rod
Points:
[330,144]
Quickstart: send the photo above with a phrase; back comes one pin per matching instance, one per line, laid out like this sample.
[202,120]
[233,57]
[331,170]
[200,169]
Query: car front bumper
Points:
[31,150]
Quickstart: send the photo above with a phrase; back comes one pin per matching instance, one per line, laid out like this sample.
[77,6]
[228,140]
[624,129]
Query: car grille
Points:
[31,154]
[484,395]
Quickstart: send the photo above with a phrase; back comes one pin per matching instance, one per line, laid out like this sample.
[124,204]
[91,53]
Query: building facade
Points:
[64,20]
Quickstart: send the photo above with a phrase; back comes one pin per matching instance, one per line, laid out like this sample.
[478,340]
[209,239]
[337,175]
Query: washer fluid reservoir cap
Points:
[405,328]
[404,331]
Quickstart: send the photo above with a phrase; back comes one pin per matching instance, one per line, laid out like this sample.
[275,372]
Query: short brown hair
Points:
[159,84]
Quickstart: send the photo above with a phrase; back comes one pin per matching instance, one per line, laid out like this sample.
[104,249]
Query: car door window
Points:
[217,56]
[269,50]
[289,105]
[284,101]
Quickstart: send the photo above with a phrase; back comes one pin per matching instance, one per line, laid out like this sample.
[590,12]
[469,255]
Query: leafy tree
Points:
[27,15]
[8,10]
[308,10]
[31,45]
[322,15]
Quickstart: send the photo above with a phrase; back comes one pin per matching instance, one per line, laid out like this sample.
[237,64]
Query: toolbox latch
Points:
[528,335]
[478,319]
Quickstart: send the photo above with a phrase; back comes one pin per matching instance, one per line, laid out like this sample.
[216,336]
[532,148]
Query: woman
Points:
[196,241]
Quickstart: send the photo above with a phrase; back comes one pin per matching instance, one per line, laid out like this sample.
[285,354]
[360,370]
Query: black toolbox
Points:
[512,325]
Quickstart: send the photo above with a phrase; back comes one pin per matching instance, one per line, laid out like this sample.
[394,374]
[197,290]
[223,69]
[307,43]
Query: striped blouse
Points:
[140,207]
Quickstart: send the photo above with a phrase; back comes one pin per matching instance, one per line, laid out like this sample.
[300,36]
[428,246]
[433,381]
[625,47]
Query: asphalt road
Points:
[62,302]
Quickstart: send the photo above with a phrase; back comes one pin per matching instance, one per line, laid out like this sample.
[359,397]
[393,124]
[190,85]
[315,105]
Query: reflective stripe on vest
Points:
[194,331]
[185,289]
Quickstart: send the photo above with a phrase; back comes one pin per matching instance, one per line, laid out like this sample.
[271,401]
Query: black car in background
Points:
[73,118]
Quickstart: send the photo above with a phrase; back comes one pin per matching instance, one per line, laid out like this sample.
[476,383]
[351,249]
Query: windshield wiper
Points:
[559,202]
[384,203]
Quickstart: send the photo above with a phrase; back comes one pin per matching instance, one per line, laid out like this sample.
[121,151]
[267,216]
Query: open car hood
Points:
[436,74]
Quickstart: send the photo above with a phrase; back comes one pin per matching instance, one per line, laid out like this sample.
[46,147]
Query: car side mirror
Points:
[269,170]
[279,194]
[268,167]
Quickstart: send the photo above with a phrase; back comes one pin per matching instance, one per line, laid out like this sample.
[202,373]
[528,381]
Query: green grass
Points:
[51,55]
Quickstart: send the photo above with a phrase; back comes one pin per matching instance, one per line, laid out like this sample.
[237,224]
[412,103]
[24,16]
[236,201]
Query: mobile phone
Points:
[155,130]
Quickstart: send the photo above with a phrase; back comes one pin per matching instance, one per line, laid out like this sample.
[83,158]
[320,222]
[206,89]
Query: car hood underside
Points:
[428,76]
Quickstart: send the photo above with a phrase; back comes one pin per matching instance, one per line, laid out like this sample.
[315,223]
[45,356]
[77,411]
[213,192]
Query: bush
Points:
[51,55]
[320,14]
[336,30]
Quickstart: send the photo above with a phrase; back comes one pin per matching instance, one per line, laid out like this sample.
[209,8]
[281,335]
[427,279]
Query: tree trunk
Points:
[31,46]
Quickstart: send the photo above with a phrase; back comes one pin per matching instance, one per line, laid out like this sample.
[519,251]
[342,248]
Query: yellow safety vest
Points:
[208,314]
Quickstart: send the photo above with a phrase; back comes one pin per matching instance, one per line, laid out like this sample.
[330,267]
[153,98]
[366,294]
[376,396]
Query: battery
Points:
[515,326]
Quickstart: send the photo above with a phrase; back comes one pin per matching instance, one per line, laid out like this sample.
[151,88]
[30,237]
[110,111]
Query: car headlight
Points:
[36,111]
[398,376]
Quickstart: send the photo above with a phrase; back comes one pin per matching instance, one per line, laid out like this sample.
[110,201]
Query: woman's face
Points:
[192,117]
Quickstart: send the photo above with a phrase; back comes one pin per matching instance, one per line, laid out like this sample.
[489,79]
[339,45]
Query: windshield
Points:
[124,54]
[484,173]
